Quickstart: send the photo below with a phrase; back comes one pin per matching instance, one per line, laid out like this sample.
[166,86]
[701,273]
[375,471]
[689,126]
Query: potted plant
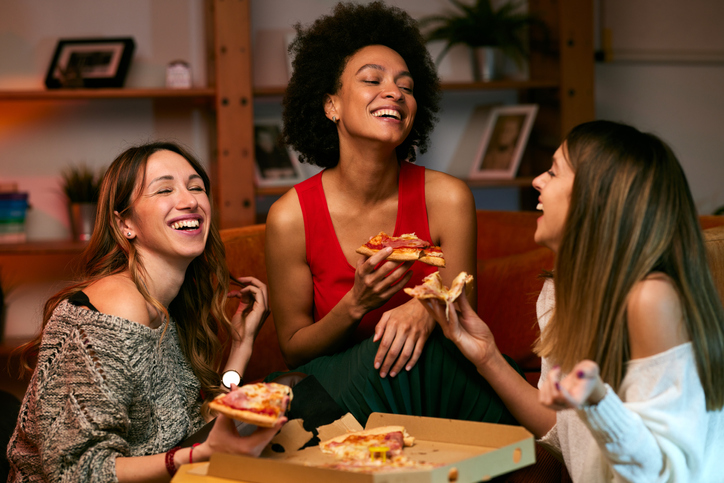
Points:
[81,186]
[490,32]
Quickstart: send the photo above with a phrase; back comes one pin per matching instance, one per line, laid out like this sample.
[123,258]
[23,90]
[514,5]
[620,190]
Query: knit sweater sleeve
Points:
[657,434]
[74,419]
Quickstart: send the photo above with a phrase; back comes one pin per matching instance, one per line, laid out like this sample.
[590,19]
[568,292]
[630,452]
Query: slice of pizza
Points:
[356,446]
[432,287]
[261,403]
[404,248]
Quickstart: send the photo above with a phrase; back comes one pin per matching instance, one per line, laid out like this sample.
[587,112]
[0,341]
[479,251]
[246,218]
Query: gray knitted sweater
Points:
[103,387]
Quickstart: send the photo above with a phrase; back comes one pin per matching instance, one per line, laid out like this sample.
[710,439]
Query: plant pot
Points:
[487,63]
[82,219]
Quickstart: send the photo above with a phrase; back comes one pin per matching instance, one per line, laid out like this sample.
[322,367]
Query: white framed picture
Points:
[503,141]
[275,164]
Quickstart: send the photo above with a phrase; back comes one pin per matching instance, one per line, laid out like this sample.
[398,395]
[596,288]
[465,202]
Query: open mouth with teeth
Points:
[388,113]
[185,225]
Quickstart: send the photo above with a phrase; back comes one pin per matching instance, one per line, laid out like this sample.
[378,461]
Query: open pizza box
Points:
[462,452]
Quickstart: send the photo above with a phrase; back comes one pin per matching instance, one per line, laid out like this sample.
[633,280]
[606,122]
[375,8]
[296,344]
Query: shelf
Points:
[500,85]
[43,247]
[74,94]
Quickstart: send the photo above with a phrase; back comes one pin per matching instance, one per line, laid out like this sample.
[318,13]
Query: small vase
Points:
[487,63]
[82,219]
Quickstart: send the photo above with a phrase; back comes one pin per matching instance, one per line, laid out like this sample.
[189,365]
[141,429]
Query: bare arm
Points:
[291,286]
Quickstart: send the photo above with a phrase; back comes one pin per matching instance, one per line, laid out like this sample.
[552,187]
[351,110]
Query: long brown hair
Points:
[198,309]
[631,213]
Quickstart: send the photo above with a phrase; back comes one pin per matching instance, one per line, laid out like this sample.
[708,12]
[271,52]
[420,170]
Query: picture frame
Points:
[274,163]
[503,142]
[90,63]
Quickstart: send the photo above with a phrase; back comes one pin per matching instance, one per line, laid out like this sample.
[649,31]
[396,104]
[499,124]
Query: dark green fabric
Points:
[443,384]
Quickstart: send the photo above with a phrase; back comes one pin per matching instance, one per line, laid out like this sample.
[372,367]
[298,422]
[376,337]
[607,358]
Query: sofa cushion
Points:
[245,257]
[508,288]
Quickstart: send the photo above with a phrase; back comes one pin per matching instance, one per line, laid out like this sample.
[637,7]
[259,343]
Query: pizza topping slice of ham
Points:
[261,403]
[432,287]
[404,248]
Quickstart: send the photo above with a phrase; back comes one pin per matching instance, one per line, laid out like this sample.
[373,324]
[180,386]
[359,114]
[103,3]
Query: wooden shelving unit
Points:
[207,94]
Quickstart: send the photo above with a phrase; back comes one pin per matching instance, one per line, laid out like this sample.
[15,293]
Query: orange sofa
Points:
[509,263]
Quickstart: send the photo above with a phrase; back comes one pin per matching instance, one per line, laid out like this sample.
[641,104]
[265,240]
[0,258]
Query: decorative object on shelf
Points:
[275,164]
[13,208]
[490,33]
[81,186]
[90,63]
[503,141]
[178,75]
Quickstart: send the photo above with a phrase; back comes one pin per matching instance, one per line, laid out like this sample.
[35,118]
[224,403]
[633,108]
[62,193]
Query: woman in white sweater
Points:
[130,355]
[632,327]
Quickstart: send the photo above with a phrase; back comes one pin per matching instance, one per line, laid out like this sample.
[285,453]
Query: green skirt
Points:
[443,384]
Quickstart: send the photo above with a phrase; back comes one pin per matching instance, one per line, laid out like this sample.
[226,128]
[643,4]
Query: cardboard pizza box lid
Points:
[464,451]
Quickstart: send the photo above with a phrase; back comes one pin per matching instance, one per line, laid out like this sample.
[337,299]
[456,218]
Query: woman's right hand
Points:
[225,438]
[463,326]
[377,280]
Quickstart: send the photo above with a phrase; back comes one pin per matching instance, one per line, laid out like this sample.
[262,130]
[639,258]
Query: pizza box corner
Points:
[462,451]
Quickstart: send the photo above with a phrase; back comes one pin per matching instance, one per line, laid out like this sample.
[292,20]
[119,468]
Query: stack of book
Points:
[13,206]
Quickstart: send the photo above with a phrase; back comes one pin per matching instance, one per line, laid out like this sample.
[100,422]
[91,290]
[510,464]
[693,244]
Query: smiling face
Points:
[555,187]
[171,214]
[375,100]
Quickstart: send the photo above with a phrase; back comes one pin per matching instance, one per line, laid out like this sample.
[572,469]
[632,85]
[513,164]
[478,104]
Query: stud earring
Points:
[334,119]
[129,234]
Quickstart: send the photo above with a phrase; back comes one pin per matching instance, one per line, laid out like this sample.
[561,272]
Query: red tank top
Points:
[332,274]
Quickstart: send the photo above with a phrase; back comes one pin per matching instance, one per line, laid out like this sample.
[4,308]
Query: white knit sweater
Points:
[103,387]
[656,429]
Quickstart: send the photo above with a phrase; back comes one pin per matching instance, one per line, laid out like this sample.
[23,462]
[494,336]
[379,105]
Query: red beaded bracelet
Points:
[170,466]
[191,453]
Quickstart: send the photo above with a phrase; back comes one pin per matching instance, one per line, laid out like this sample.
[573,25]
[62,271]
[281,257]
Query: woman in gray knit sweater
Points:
[128,355]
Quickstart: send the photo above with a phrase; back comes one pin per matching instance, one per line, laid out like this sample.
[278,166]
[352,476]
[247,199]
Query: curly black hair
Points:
[320,55]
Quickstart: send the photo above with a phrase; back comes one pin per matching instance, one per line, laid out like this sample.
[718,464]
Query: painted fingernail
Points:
[558,386]
[580,374]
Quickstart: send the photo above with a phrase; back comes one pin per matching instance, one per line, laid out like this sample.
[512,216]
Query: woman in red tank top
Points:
[361,126]
[360,103]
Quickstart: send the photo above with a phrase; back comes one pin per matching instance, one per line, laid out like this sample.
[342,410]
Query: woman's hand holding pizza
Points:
[469,333]
[581,387]
[376,281]
[225,438]
[402,332]
[253,308]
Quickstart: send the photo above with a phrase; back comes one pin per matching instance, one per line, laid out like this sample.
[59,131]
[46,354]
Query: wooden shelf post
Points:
[234,164]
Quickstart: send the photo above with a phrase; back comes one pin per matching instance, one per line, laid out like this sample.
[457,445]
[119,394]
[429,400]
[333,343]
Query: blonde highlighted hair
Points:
[631,213]
[198,309]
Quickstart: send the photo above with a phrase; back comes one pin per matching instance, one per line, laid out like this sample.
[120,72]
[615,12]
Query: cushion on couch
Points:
[508,289]
[245,257]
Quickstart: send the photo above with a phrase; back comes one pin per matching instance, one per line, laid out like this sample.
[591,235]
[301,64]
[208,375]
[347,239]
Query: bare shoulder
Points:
[285,215]
[442,189]
[117,295]
[655,316]
[285,228]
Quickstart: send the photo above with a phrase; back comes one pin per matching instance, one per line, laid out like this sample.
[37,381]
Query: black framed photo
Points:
[276,165]
[90,63]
